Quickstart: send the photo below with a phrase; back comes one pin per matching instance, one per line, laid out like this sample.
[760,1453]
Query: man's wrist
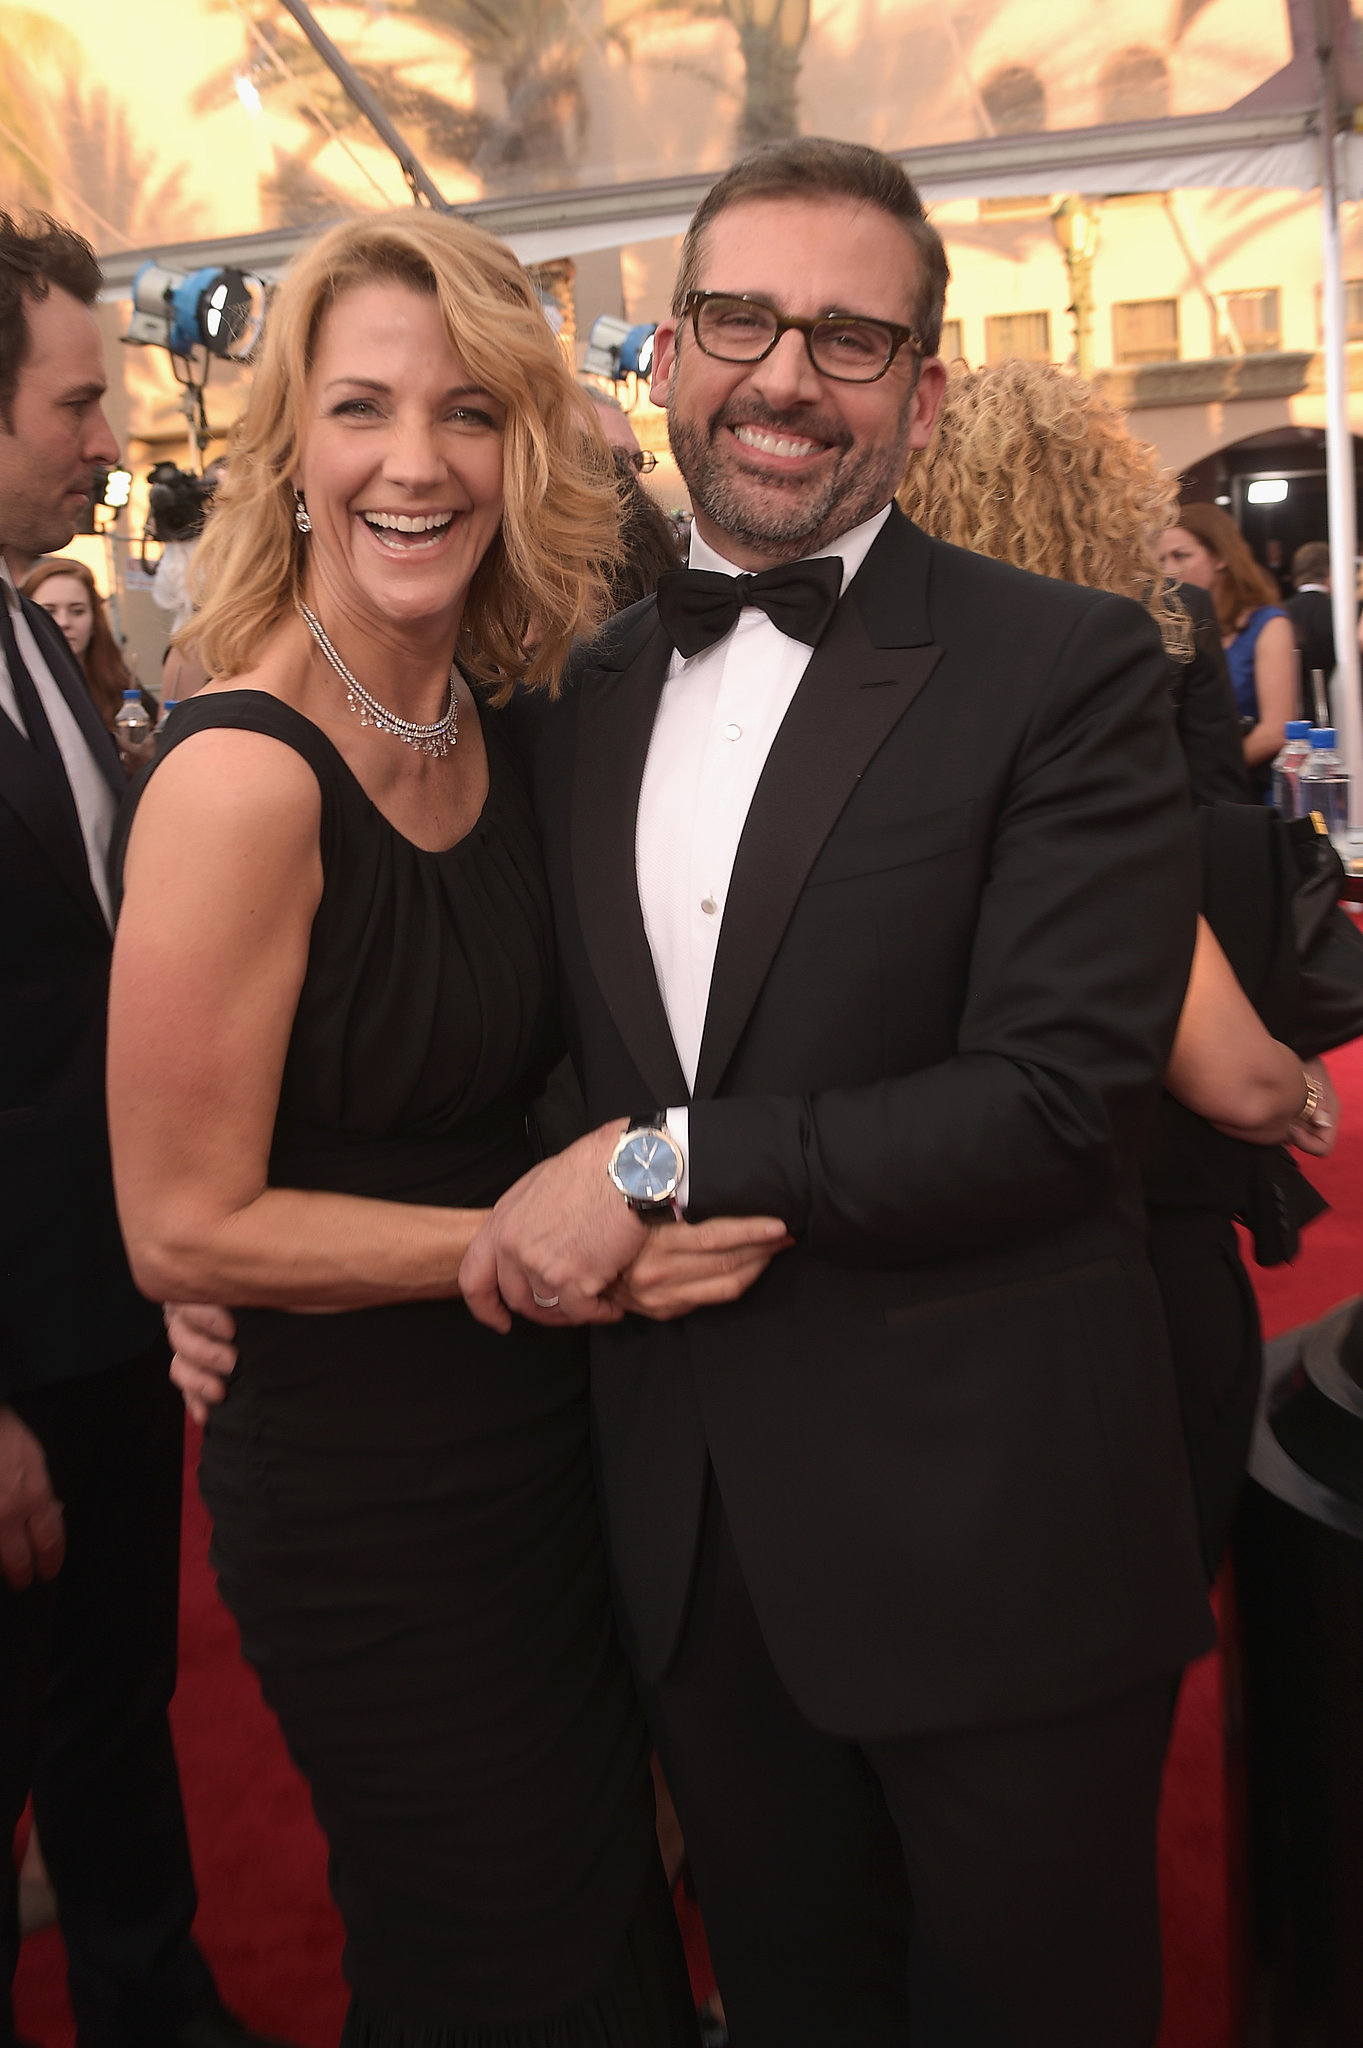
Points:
[647,1164]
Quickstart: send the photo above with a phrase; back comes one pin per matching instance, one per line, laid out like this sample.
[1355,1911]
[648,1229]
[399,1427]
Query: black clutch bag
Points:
[1329,944]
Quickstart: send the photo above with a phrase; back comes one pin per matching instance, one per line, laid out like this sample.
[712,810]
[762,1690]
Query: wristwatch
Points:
[647,1166]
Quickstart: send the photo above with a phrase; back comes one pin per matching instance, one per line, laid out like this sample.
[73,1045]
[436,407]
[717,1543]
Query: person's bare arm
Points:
[1225,1065]
[32,1536]
[1275,686]
[222,881]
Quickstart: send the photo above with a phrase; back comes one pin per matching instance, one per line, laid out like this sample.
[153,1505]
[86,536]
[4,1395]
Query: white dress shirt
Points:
[718,715]
[96,804]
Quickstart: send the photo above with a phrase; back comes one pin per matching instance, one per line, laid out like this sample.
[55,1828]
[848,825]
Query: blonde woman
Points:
[1031,466]
[331,1008]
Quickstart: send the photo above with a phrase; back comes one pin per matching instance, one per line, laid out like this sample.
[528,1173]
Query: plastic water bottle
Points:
[1324,786]
[132,723]
[167,707]
[1287,766]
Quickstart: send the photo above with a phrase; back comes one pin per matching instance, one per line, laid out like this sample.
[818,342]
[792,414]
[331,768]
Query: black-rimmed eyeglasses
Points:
[840,345]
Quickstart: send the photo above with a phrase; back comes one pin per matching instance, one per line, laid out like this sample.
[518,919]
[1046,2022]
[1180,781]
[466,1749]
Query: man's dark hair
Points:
[812,167]
[36,253]
[1311,563]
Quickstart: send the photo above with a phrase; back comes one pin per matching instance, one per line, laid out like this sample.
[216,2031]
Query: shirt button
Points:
[733,732]
[708,905]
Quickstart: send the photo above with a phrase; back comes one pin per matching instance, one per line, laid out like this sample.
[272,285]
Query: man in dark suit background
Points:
[90,1429]
[887,940]
[1311,611]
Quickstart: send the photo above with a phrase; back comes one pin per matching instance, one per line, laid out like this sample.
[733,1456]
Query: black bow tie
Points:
[697,607]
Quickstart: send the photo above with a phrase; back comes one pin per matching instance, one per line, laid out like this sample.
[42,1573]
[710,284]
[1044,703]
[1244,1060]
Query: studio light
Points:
[118,484]
[1267,490]
[222,311]
[615,349]
[109,489]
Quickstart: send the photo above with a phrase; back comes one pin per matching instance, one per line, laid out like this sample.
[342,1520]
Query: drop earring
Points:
[300,512]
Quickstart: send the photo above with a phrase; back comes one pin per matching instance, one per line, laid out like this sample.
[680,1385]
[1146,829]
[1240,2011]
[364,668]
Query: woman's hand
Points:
[136,754]
[201,1337]
[697,1265]
[1317,1136]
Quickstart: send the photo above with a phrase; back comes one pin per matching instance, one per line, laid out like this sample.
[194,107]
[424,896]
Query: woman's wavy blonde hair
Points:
[558,537]
[1028,464]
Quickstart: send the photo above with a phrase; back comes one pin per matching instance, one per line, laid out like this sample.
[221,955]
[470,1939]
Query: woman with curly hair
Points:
[331,1008]
[1204,546]
[1031,466]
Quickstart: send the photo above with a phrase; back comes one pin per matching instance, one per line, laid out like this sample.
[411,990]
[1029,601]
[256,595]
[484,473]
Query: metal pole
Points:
[1339,445]
[413,170]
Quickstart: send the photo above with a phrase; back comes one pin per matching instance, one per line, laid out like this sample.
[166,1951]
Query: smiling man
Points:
[875,902]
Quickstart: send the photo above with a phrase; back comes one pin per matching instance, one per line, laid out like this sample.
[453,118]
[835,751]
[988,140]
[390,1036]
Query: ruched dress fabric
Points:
[405,1525]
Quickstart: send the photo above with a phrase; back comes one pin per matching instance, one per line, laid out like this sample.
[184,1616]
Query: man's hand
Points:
[204,1354]
[563,1233]
[32,1537]
[696,1265]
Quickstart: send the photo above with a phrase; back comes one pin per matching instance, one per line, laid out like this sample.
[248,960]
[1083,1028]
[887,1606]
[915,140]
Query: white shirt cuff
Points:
[679,1127]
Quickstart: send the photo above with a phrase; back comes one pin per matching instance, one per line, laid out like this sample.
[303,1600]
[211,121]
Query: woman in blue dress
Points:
[1206,547]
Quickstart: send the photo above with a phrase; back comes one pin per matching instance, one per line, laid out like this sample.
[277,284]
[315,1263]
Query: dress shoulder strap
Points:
[254,711]
[243,711]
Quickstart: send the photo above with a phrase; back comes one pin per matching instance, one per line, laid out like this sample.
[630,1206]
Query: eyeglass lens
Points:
[740,331]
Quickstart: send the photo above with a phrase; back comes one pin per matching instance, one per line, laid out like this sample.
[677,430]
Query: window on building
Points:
[1145,331]
[951,350]
[1256,318]
[1017,334]
[1353,310]
[1134,86]
[1015,101]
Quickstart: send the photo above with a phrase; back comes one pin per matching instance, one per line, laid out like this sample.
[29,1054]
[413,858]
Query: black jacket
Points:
[67,1302]
[952,957]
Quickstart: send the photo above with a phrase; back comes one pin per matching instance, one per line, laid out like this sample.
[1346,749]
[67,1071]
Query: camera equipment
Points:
[222,311]
[108,487]
[177,503]
[617,350]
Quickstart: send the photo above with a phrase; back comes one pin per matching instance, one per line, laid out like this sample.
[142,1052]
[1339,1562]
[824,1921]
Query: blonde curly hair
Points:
[559,535]
[1028,464]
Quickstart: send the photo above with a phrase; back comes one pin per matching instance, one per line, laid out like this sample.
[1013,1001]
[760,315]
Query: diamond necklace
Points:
[436,740]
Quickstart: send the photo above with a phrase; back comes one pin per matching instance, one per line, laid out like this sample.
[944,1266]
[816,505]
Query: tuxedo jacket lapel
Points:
[870,665]
[617,704]
[66,674]
[26,786]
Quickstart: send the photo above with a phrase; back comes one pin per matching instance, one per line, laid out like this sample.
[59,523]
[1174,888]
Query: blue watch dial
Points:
[647,1168]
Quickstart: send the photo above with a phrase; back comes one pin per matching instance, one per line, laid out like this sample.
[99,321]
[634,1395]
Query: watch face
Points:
[647,1167]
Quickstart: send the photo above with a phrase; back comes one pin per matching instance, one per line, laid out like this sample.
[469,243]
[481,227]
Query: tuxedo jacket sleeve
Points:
[1069,988]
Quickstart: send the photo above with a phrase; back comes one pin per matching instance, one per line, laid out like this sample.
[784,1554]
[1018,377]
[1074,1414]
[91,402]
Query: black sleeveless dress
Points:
[404,1519]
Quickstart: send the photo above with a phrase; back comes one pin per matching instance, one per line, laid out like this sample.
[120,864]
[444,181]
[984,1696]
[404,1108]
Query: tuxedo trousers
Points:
[87,1669]
[978,1888]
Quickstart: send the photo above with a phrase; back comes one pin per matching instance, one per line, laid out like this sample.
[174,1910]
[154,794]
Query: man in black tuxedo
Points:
[90,1429]
[875,899]
[1311,610]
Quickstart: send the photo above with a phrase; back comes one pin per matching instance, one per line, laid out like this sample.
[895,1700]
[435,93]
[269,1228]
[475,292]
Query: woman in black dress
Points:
[332,1004]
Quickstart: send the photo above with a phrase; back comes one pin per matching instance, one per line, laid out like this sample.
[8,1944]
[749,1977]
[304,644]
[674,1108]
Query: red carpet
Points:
[269,1928]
